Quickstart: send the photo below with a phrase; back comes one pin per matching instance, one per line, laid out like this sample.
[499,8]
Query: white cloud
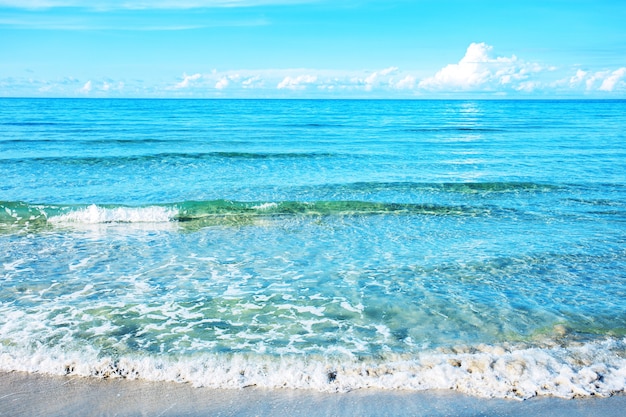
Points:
[296,83]
[591,80]
[226,80]
[578,78]
[253,82]
[606,81]
[528,86]
[315,81]
[610,82]
[407,83]
[389,70]
[107,86]
[478,70]
[205,84]
[374,78]
[222,83]
[187,80]
[86,89]
[71,87]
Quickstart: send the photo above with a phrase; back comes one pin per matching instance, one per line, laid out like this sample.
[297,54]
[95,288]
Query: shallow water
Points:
[334,245]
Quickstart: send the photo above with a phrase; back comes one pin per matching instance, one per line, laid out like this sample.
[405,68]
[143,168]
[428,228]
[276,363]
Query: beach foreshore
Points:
[24,394]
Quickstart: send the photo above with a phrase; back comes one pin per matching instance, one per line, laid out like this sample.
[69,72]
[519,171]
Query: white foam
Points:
[591,369]
[12,266]
[97,215]
[265,206]
[317,311]
[356,309]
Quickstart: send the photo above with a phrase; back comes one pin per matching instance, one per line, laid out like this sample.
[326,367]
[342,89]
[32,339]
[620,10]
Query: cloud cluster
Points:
[607,81]
[99,88]
[479,71]
[187,81]
[295,81]
[63,87]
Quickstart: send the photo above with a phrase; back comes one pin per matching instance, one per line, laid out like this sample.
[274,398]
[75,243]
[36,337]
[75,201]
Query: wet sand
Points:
[37,395]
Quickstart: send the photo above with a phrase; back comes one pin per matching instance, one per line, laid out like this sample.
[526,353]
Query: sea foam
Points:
[581,370]
[94,214]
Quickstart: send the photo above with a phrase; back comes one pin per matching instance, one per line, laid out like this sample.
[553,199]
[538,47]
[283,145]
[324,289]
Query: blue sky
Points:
[313,48]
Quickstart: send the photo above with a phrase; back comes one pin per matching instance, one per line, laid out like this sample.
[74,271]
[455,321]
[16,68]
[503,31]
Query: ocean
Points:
[330,245]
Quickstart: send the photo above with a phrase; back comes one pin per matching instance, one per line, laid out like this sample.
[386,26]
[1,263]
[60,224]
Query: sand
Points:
[37,395]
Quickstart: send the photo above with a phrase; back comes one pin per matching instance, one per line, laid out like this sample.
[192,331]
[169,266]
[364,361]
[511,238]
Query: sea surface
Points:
[478,246]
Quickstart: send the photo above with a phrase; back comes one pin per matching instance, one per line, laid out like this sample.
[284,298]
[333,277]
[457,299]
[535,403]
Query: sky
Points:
[313,48]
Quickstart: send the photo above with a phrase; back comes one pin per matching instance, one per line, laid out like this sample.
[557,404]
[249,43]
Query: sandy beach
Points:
[37,395]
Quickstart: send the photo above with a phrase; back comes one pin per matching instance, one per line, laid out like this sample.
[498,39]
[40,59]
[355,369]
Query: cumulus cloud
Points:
[478,70]
[253,82]
[606,81]
[389,70]
[267,82]
[375,77]
[222,83]
[68,87]
[111,86]
[187,80]
[225,80]
[86,89]
[206,84]
[296,83]
[362,80]
[577,78]
[407,83]
[612,80]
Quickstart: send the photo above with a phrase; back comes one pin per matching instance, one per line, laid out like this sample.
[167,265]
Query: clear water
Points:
[333,245]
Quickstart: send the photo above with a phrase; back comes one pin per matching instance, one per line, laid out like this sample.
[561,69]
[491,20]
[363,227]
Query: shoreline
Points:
[23,394]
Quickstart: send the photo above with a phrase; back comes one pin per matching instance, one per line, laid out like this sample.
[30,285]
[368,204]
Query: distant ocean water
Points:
[478,246]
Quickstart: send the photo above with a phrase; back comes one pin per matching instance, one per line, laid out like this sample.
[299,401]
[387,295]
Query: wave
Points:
[595,368]
[205,212]
[16,214]
[96,215]
[26,214]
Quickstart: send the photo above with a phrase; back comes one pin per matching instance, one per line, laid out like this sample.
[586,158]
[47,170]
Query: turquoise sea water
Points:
[331,245]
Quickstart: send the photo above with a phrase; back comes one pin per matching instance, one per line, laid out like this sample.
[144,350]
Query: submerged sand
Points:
[38,395]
